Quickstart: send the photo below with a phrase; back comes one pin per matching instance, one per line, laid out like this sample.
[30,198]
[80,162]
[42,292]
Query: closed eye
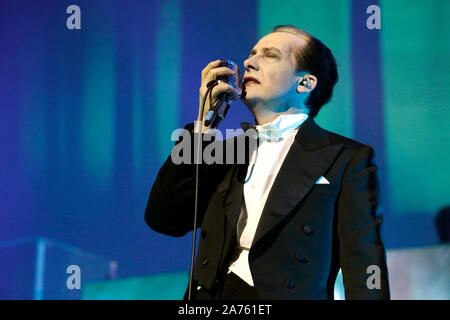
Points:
[270,53]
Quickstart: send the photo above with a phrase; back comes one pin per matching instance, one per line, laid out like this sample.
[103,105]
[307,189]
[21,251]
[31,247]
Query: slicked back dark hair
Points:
[316,59]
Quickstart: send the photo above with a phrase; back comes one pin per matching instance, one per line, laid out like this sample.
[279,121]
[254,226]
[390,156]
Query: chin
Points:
[251,95]
[252,103]
[248,100]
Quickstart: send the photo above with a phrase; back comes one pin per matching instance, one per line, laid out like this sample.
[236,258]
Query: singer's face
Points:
[272,63]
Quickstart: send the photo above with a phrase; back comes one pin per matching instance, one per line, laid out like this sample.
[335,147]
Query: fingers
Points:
[215,73]
[224,87]
[212,64]
[211,72]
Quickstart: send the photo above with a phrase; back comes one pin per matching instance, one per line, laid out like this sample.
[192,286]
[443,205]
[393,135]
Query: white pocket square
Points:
[322,180]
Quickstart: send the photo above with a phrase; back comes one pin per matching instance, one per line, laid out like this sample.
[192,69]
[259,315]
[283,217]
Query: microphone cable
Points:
[213,121]
[210,86]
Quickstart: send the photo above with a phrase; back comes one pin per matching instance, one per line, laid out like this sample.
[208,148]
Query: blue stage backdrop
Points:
[86,115]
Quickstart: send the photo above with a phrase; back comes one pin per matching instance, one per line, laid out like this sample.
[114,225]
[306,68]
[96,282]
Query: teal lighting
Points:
[168,74]
[416,73]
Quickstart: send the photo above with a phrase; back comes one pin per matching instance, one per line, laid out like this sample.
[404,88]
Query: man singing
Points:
[307,205]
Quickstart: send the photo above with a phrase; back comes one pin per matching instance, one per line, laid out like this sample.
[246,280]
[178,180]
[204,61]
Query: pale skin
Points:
[277,90]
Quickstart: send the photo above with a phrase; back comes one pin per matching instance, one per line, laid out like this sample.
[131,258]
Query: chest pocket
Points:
[331,188]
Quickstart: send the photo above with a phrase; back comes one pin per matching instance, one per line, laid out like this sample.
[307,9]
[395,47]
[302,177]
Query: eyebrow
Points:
[264,50]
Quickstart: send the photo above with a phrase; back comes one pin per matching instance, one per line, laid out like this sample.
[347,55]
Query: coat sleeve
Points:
[171,203]
[362,254]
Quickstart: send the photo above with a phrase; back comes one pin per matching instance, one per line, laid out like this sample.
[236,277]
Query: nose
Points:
[251,63]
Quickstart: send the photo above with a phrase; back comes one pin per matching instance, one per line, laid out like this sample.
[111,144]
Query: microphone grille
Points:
[233,80]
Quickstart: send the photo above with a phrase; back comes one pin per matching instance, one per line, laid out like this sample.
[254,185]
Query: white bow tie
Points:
[265,132]
[268,133]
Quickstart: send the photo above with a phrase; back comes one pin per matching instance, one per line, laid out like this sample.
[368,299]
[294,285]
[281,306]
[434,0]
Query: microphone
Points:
[214,115]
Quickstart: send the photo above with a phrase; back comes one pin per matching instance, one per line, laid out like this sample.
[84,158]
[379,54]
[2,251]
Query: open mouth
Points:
[250,80]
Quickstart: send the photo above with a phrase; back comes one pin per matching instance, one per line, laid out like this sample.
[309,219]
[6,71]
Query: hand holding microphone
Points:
[222,79]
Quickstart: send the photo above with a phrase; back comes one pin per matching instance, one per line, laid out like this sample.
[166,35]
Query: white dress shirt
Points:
[262,171]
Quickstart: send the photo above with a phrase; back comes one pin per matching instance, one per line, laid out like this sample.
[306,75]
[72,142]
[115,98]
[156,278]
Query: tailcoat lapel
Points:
[307,160]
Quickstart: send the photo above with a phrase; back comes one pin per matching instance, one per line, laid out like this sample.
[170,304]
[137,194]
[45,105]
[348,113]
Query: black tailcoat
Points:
[306,232]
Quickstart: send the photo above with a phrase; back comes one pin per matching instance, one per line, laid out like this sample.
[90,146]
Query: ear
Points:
[306,83]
